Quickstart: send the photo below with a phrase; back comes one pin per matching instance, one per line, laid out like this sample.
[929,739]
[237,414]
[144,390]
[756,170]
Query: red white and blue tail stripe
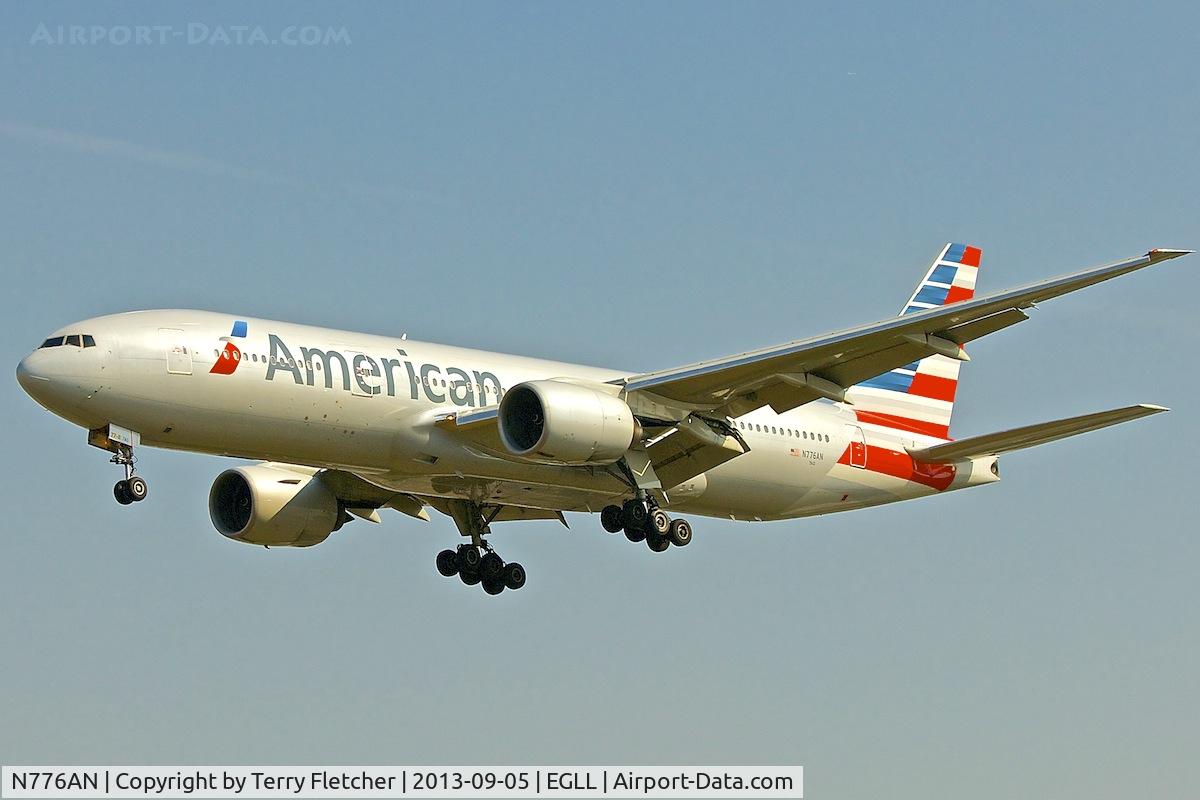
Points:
[919,397]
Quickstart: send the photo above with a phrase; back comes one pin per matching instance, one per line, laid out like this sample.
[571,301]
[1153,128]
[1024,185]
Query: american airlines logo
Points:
[232,355]
[361,374]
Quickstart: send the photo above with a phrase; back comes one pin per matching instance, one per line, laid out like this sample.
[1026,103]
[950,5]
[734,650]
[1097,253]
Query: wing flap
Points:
[1029,436]
[679,457]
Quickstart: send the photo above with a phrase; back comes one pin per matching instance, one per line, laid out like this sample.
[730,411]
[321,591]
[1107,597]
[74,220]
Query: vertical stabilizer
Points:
[919,396]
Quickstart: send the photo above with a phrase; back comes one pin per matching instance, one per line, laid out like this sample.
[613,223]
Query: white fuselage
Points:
[368,404]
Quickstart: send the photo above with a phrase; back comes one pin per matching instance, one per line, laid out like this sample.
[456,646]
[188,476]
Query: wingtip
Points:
[1165,253]
[1152,408]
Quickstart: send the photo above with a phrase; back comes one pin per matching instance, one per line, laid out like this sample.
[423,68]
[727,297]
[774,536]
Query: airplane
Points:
[346,424]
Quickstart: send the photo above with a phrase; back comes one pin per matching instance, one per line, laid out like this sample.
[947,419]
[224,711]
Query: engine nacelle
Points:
[264,505]
[555,422]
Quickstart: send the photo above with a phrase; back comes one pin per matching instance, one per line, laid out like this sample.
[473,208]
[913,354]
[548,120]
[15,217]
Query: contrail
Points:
[185,162]
[130,151]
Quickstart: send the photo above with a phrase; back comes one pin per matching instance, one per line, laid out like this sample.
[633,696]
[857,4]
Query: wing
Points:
[789,375]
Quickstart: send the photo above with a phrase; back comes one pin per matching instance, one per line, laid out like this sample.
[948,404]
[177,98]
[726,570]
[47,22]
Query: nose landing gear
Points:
[120,442]
[133,489]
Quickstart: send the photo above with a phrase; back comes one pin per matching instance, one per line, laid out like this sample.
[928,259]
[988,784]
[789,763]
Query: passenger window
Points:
[53,341]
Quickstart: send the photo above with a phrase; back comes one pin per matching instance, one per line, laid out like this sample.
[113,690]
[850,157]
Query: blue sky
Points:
[636,186]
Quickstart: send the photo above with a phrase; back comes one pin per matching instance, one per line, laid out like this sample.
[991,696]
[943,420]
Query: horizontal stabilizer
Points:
[1019,438]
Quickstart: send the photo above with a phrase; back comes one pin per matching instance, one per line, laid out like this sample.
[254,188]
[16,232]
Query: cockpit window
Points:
[74,340]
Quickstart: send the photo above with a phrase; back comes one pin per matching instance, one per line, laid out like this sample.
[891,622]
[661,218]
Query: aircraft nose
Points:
[34,375]
[28,377]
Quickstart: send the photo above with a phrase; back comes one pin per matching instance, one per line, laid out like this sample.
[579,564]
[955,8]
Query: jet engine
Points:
[555,422]
[266,505]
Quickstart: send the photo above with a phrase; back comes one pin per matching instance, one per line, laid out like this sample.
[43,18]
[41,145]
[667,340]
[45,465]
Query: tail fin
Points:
[920,396]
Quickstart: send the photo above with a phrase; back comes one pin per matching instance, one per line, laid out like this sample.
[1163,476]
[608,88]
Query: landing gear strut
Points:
[477,562]
[644,521]
[133,489]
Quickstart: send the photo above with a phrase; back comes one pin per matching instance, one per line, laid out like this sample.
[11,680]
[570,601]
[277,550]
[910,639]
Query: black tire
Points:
[635,535]
[121,492]
[658,522]
[680,533]
[138,488]
[468,558]
[447,563]
[657,543]
[491,566]
[612,519]
[493,585]
[635,513]
[469,578]
[514,576]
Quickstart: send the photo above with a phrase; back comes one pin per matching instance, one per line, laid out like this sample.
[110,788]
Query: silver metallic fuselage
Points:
[371,410]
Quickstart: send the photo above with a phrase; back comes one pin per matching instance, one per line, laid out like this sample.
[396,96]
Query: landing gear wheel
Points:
[447,563]
[657,543]
[493,585]
[680,533]
[635,535]
[659,522]
[612,519]
[468,558]
[469,578]
[514,576]
[137,488]
[121,492]
[490,567]
[635,513]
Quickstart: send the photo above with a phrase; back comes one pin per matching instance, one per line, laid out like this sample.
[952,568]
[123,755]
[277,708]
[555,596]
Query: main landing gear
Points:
[481,564]
[477,562]
[644,521]
[133,489]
